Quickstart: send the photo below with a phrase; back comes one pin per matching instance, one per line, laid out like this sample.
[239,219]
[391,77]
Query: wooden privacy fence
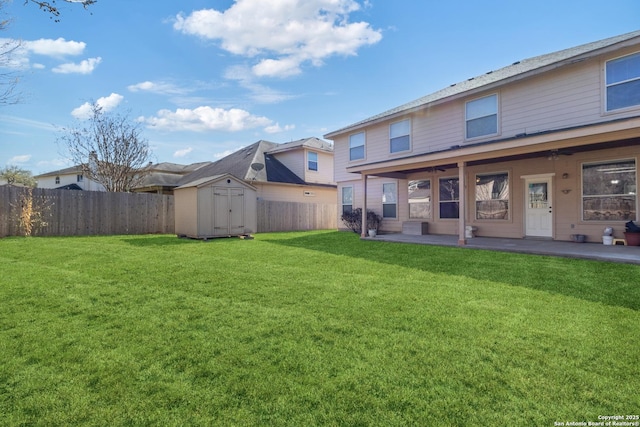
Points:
[73,213]
[77,213]
[291,216]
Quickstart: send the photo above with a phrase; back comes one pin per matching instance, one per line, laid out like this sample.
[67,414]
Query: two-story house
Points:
[71,178]
[299,171]
[546,148]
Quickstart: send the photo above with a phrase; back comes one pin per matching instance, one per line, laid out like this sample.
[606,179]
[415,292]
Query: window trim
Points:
[395,191]
[364,146]
[606,86]
[466,117]
[508,199]
[408,119]
[309,161]
[457,178]
[605,162]
[342,204]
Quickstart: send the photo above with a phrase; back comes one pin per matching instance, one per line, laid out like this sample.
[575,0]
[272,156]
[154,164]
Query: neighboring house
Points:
[547,147]
[68,179]
[162,178]
[299,171]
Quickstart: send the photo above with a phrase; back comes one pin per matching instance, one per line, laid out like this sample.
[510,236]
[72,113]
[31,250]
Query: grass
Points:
[314,328]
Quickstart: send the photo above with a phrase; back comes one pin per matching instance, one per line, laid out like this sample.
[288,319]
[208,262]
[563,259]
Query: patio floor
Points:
[594,251]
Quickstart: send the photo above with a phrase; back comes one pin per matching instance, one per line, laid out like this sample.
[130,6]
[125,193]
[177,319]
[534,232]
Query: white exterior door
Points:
[538,210]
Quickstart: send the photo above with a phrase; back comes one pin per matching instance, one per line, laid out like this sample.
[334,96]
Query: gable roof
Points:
[517,70]
[211,179]
[167,174]
[312,143]
[245,165]
[73,170]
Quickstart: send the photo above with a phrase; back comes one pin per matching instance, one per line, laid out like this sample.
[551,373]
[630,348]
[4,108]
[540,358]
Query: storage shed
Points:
[215,206]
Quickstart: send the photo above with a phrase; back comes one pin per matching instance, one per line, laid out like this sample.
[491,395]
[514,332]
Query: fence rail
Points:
[76,213]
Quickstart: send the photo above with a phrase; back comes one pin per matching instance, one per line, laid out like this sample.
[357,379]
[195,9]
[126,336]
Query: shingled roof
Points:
[517,70]
[245,164]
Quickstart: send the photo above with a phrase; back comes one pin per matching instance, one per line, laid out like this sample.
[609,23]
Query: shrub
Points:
[353,220]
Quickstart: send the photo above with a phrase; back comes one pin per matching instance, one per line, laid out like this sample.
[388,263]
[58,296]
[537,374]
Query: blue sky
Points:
[205,78]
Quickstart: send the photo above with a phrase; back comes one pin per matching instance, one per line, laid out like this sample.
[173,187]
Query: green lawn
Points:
[304,329]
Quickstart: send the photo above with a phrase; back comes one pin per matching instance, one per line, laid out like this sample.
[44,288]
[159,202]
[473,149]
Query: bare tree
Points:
[110,148]
[51,7]
[15,175]
[8,80]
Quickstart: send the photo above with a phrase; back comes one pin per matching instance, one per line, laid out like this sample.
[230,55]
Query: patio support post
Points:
[364,206]
[462,198]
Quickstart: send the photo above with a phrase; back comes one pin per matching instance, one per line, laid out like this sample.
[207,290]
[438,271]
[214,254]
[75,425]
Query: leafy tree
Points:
[110,148]
[14,175]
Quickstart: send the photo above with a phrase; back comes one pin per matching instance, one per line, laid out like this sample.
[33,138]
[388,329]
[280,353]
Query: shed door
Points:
[228,211]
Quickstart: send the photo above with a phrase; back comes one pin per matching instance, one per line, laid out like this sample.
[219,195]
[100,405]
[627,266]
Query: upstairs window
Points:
[399,139]
[356,146]
[623,82]
[57,180]
[79,178]
[312,161]
[482,117]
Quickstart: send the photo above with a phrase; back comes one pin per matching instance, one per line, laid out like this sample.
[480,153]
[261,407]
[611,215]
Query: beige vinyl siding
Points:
[296,193]
[324,174]
[341,160]
[185,215]
[295,160]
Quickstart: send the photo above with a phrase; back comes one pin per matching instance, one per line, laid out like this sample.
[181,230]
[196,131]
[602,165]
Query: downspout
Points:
[363,232]
[462,198]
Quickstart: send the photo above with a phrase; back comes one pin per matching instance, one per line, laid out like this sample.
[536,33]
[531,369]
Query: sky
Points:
[205,78]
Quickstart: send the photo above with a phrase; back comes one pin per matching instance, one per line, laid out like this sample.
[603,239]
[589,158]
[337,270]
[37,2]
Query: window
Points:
[356,146]
[389,200]
[347,199]
[399,136]
[482,116]
[623,82]
[312,161]
[449,198]
[79,178]
[57,180]
[609,191]
[492,196]
[420,199]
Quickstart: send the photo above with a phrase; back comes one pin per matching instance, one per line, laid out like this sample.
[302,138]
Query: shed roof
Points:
[212,179]
[519,69]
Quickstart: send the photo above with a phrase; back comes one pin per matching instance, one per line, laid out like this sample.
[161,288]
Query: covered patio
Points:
[588,250]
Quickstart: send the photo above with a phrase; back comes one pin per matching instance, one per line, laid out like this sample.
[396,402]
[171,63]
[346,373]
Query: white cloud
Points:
[206,119]
[84,67]
[183,152]
[56,48]
[278,129]
[157,87]
[20,159]
[284,34]
[107,103]
[258,93]
[19,52]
